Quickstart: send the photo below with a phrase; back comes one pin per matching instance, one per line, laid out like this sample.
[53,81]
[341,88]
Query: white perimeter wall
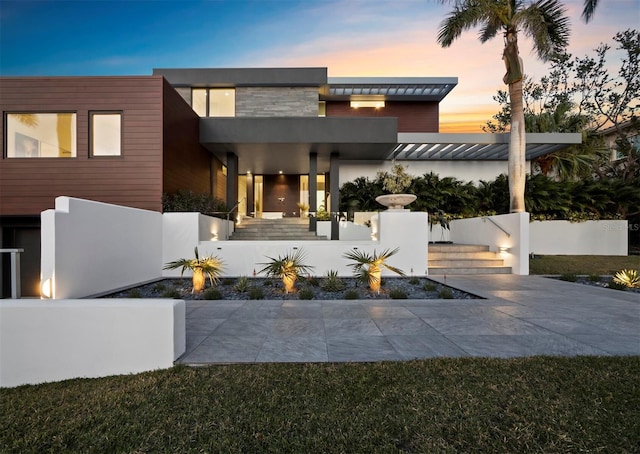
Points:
[579,238]
[482,231]
[43,341]
[462,170]
[91,247]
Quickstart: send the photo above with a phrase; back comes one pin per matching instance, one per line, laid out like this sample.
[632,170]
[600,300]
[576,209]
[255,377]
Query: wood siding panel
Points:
[29,186]
[187,164]
[412,116]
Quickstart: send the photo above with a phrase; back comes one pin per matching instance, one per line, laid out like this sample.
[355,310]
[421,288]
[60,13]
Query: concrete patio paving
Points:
[520,316]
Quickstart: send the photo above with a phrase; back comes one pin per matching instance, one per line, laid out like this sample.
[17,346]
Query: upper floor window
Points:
[106,134]
[214,102]
[41,135]
[322,109]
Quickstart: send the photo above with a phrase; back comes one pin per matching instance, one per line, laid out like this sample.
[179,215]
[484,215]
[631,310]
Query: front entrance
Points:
[274,196]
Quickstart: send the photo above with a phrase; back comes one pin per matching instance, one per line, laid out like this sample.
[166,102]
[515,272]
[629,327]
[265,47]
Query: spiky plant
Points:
[628,278]
[288,267]
[202,268]
[368,267]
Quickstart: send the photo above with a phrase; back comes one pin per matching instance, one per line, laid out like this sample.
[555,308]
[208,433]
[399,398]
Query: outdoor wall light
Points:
[46,288]
[504,249]
[214,236]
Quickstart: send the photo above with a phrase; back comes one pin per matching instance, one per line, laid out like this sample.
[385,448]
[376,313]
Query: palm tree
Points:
[368,267]
[589,9]
[545,22]
[202,268]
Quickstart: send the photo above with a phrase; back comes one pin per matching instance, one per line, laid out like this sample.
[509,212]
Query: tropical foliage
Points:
[628,278]
[397,181]
[368,267]
[288,267]
[202,268]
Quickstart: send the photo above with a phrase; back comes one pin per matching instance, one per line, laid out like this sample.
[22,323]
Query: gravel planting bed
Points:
[595,281]
[263,288]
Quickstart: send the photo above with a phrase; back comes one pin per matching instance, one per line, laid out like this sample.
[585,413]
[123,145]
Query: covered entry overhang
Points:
[271,145]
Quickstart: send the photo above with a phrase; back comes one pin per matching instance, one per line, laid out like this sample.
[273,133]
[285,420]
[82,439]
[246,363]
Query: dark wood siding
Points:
[219,180]
[281,186]
[187,164]
[412,116]
[29,186]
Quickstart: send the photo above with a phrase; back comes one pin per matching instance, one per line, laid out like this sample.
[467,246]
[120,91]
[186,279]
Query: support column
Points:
[313,191]
[334,190]
[232,179]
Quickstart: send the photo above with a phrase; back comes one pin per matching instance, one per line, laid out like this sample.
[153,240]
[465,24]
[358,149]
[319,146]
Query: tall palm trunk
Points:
[517,147]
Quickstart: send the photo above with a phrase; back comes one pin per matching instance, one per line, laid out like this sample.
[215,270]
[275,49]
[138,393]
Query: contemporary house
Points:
[266,138]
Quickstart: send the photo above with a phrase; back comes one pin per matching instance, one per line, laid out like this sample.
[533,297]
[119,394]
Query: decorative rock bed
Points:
[312,288]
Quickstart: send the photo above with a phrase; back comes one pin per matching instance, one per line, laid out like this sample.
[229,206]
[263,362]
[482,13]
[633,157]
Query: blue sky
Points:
[350,37]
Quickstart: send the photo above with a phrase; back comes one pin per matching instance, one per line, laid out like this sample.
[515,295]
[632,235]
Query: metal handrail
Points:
[487,218]
[228,213]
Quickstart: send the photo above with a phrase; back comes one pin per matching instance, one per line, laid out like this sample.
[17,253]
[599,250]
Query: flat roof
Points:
[389,88]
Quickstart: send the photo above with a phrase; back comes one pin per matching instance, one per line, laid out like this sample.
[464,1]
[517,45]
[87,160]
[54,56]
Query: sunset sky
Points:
[350,37]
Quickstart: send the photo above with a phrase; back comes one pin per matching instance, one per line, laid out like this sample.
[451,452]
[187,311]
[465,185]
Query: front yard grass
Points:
[582,264]
[537,404]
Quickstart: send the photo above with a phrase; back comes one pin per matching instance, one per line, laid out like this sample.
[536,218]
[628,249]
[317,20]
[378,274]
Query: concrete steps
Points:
[464,259]
[274,229]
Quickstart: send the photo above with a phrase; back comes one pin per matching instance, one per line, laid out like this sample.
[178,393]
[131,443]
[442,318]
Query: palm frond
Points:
[547,24]
[589,9]
[465,15]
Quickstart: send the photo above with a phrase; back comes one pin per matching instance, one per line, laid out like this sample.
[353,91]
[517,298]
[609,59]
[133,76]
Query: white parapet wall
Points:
[348,231]
[43,341]
[404,230]
[579,238]
[509,232]
[92,247]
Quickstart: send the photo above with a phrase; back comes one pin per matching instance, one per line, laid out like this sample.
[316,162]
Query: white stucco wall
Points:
[92,247]
[483,231]
[579,238]
[405,230]
[43,341]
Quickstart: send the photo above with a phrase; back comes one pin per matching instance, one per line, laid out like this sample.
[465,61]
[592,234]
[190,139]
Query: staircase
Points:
[464,259]
[294,229]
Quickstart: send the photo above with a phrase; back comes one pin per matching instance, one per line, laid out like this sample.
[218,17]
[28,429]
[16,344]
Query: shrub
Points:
[171,293]
[594,278]
[212,294]
[134,293]
[313,281]
[569,277]
[332,282]
[306,293]
[414,280]
[159,287]
[397,294]
[256,293]
[429,287]
[227,281]
[351,294]
[628,278]
[267,283]
[242,284]
[616,285]
[445,294]
[188,201]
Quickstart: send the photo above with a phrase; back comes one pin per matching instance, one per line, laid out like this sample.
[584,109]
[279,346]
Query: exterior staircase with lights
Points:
[464,259]
[251,229]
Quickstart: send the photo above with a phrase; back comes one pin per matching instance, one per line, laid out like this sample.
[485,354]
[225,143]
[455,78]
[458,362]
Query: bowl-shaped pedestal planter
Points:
[395,201]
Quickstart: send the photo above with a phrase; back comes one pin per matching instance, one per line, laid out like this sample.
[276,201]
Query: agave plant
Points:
[368,267]
[288,268]
[628,278]
[202,268]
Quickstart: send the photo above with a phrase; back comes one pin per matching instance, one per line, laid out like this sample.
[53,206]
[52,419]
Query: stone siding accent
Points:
[277,102]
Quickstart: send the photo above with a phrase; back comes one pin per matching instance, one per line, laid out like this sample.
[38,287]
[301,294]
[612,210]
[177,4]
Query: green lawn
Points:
[540,404]
[582,264]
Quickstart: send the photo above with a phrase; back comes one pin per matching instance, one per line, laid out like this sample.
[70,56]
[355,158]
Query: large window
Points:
[41,135]
[214,102]
[106,134]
